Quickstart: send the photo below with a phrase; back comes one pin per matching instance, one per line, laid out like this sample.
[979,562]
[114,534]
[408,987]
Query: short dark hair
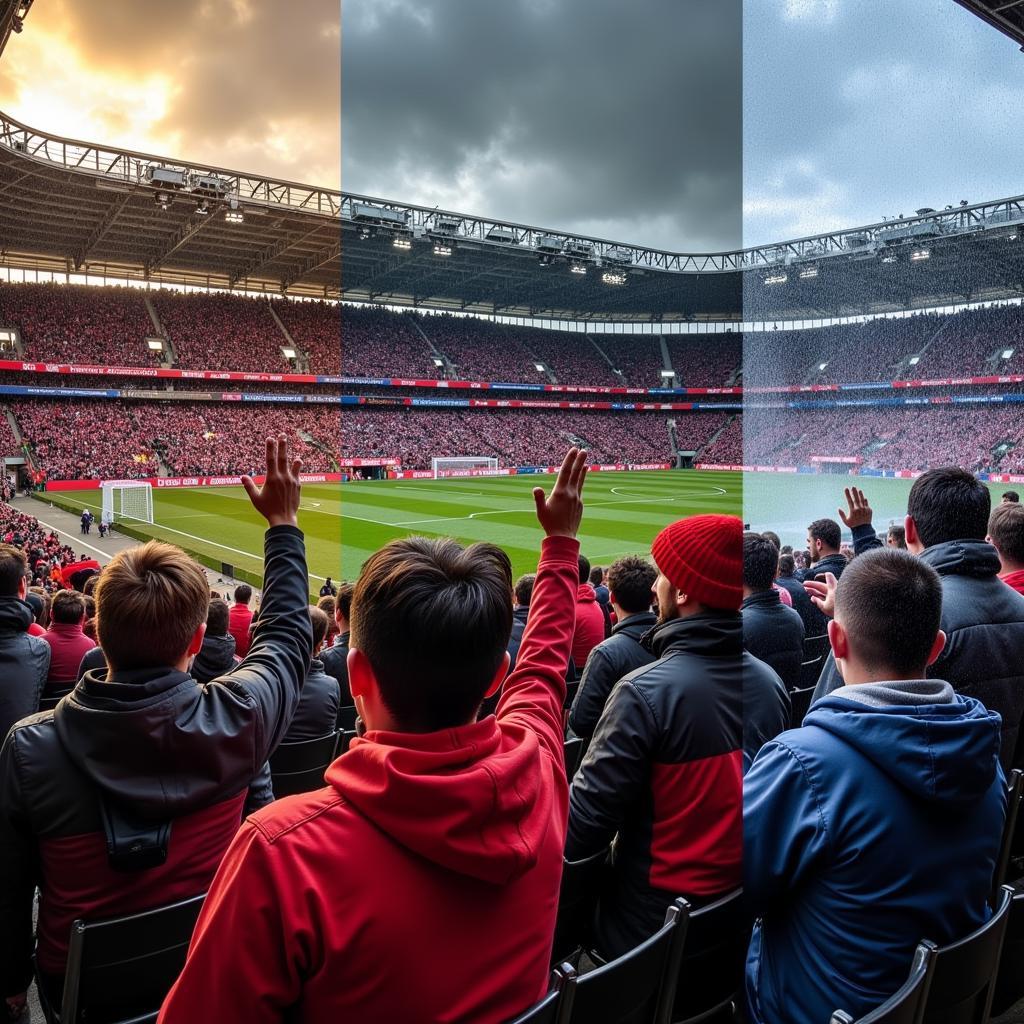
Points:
[217,617]
[343,600]
[584,568]
[433,619]
[773,537]
[899,533]
[949,504]
[1011,496]
[631,580]
[243,593]
[890,604]
[760,561]
[827,531]
[787,565]
[596,575]
[320,622]
[68,607]
[1006,528]
[13,569]
[524,589]
[786,549]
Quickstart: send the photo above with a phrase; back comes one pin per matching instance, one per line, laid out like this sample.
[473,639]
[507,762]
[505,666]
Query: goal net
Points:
[468,466]
[127,499]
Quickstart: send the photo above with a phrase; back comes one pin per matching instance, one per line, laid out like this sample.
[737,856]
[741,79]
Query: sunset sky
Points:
[245,84]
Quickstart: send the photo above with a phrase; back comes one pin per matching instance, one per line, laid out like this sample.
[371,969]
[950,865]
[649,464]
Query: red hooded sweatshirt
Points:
[589,630]
[422,883]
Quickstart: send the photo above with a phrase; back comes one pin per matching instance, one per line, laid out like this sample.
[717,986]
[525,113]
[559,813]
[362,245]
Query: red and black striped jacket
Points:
[663,777]
[150,758]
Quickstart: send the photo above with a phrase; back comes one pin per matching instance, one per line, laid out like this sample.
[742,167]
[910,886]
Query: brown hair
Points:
[343,602]
[1006,528]
[433,619]
[149,602]
[320,621]
[13,568]
[68,607]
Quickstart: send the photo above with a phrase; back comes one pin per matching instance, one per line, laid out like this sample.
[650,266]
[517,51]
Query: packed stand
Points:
[707,360]
[378,343]
[315,327]
[637,357]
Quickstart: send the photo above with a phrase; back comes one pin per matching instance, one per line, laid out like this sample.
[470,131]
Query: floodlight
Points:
[821,366]
[776,279]
[1007,352]
[578,268]
[920,254]
[539,367]
[438,361]
[914,360]
[610,278]
[404,244]
[440,249]
[888,259]
[808,272]
[155,345]
[162,199]
[203,208]
[234,216]
[288,353]
[668,373]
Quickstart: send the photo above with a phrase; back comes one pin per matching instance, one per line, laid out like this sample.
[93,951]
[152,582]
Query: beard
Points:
[667,611]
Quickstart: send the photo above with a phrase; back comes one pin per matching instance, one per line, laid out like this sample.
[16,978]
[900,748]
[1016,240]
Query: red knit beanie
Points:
[703,557]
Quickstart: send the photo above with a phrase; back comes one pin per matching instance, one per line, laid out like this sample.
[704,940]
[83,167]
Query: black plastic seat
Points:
[119,970]
[800,703]
[963,981]
[907,1004]
[638,987]
[347,715]
[711,973]
[574,750]
[1014,795]
[344,740]
[299,767]
[577,901]
[550,1008]
[1010,978]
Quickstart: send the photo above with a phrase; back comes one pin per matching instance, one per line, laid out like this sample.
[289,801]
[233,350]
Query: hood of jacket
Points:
[636,626]
[830,563]
[762,599]
[963,558]
[585,593]
[709,634]
[215,658]
[472,800]
[943,753]
[15,615]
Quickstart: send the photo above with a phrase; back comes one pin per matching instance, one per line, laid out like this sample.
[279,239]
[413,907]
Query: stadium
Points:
[160,317]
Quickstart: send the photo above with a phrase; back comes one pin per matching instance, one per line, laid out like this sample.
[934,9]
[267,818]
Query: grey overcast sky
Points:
[624,119]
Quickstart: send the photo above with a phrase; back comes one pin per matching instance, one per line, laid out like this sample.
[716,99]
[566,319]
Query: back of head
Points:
[596,575]
[772,536]
[760,561]
[631,581]
[889,603]
[320,622]
[243,594]
[1006,528]
[68,608]
[343,600]
[584,569]
[326,605]
[149,602]
[787,565]
[433,619]
[524,590]
[13,569]
[828,532]
[897,536]
[217,617]
[1011,496]
[949,504]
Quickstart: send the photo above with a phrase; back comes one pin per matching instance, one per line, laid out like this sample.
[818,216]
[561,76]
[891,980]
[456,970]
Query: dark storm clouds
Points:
[617,119]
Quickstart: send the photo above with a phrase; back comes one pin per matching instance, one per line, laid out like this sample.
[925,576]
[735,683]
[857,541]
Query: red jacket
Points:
[589,630]
[422,883]
[239,622]
[1014,580]
[68,645]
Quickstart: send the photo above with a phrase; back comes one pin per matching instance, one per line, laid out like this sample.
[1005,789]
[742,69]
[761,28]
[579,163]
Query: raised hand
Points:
[560,513]
[858,512]
[278,500]
[823,594]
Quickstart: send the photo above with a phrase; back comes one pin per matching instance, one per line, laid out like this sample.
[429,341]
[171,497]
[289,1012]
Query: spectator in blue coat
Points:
[878,823]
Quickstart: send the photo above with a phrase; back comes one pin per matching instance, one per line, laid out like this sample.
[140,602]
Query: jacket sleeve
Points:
[18,869]
[534,694]
[595,685]
[865,538]
[262,979]
[614,772]
[784,828]
[269,678]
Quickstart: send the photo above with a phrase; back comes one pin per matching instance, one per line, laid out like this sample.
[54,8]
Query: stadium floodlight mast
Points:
[127,499]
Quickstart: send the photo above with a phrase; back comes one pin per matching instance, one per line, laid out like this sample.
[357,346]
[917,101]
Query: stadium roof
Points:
[1005,15]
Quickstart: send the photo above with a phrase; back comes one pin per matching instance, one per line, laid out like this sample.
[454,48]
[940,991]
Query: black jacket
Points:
[983,620]
[335,663]
[215,658]
[518,625]
[127,794]
[318,706]
[93,659]
[802,604]
[662,777]
[774,634]
[608,662]
[24,663]
[817,623]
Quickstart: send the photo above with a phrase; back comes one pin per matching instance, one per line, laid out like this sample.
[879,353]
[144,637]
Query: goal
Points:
[468,466]
[127,499]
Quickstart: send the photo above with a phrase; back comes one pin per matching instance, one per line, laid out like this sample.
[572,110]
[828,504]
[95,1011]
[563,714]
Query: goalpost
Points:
[468,466]
[127,499]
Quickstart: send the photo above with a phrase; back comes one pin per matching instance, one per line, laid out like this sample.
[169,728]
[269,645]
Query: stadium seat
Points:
[907,1004]
[346,738]
[299,767]
[637,988]
[816,649]
[800,703]
[556,1003]
[964,977]
[347,715]
[48,703]
[711,974]
[577,900]
[1014,795]
[1010,979]
[118,971]
[574,751]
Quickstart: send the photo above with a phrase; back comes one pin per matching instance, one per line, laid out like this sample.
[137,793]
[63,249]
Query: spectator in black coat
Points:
[217,655]
[801,599]
[824,539]
[630,584]
[24,659]
[335,657]
[772,632]
[317,712]
[523,592]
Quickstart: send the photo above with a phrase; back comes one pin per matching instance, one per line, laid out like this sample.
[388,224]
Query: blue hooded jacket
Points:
[865,831]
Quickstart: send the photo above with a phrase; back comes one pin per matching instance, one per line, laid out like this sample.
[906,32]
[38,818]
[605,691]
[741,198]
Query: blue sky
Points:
[859,109]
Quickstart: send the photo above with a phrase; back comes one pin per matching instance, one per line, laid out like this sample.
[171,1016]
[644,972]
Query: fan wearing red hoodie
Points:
[422,883]
[590,621]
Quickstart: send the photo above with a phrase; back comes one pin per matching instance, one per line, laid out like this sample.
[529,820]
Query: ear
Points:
[913,539]
[197,639]
[23,588]
[937,648]
[611,597]
[838,639]
[499,676]
[361,680]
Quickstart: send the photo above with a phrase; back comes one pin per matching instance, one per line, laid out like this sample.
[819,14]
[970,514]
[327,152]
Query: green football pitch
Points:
[345,523]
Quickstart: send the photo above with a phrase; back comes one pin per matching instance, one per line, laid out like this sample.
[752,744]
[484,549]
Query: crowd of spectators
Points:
[315,327]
